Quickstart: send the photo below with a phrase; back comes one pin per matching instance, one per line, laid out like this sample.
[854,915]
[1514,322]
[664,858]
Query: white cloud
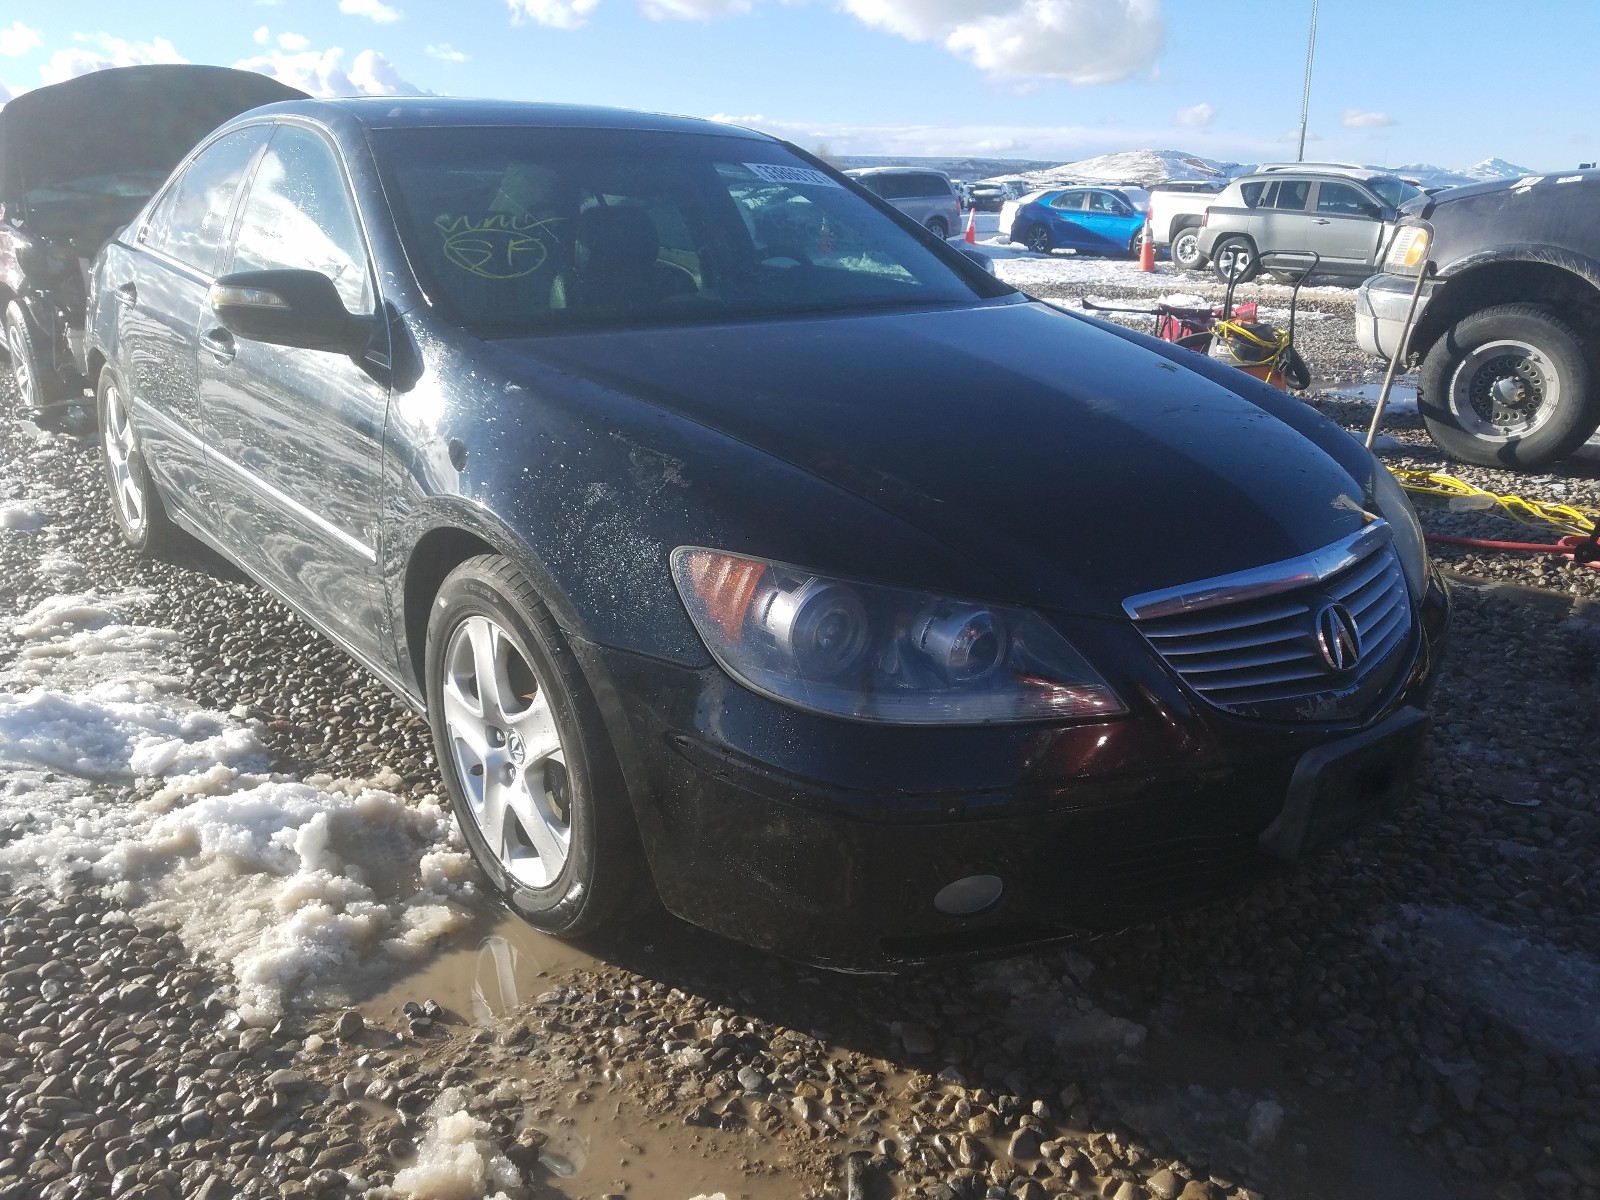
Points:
[445,52]
[293,42]
[6,94]
[114,52]
[1078,41]
[262,36]
[692,10]
[320,73]
[1356,118]
[1197,116]
[558,14]
[376,10]
[19,39]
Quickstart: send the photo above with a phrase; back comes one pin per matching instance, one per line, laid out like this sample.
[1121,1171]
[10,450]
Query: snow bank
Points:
[23,516]
[456,1160]
[294,885]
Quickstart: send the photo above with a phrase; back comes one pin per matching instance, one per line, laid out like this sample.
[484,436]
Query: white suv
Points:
[1343,214]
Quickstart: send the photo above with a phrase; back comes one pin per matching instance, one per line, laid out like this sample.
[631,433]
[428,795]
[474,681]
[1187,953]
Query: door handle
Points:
[1322,221]
[127,293]
[219,343]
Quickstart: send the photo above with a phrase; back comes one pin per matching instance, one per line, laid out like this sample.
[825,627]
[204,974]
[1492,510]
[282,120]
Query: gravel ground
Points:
[1410,1015]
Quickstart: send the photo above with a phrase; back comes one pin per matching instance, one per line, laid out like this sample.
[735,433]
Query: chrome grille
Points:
[1248,643]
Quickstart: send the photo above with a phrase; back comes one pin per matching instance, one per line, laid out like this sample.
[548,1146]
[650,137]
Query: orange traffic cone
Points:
[971,234]
[1147,248]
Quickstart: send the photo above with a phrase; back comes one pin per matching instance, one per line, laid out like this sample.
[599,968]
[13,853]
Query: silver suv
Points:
[924,196]
[1343,214]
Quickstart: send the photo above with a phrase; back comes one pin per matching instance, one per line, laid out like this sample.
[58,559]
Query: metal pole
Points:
[1305,97]
[1400,352]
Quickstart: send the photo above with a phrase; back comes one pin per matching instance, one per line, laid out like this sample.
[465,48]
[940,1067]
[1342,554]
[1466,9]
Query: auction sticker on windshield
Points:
[773,173]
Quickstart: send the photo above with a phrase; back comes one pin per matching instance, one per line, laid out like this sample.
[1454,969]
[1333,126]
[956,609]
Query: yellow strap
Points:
[1525,512]
[1227,329]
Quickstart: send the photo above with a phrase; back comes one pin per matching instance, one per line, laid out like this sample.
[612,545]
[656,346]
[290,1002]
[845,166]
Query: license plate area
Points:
[1337,786]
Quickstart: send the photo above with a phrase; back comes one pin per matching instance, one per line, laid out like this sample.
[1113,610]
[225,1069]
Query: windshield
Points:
[1393,192]
[519,229]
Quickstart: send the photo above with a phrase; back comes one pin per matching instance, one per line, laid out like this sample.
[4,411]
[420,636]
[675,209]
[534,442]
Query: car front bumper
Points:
[1381,306]
[827,840]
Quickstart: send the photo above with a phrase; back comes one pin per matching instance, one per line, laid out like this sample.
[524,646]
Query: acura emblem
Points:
[1338,640]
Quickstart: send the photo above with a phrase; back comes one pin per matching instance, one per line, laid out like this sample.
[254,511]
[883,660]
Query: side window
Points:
[930,185]
[896,187]
[1070,201]
[870,183]
[1250,193]
[298,214]
[1292,194]
[1105,202]
[191,220]
[1343,200]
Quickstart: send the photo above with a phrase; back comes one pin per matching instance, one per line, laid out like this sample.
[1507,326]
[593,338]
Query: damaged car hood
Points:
[143,118]
[1072,462]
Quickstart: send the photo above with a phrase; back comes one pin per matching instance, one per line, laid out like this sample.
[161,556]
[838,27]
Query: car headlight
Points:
[1407,250]
[876,653]
[1390,499]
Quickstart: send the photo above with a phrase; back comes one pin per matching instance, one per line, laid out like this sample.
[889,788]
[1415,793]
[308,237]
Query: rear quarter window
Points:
[1250,193]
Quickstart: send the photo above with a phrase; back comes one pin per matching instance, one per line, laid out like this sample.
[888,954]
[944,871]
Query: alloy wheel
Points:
[21,365]
[507,753]
[121,449]
[1504,389]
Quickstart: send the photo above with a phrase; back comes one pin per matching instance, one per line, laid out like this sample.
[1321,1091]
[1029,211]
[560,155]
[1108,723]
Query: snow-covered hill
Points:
[1486,171]
[1142,167]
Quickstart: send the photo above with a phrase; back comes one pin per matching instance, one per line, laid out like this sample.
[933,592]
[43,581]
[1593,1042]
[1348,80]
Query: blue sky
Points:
[1449,83]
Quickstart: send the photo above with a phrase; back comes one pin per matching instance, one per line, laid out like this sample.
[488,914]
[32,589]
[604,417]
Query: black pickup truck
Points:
[1508,327]
[78,160]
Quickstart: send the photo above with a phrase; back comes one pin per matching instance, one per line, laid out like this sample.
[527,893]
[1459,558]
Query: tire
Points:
[554,835]
[1510,386]
[938,227]
[35,386]
[1186,249]
[1135,242]
[136,506]
[1038,239]
[1231,250]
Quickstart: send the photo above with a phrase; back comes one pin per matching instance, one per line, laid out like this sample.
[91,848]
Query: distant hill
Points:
[1486,171]
[1142,167]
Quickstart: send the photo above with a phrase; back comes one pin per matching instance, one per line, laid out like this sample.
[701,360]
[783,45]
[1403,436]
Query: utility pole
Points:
[1305,97]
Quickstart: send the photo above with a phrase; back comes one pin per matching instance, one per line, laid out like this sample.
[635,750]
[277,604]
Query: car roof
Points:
[422,112]
[1323,170]
[857,172]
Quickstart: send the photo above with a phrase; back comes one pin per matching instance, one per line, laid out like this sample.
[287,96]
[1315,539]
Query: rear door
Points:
[159,290]
[294,437]
[1108,222]
[1281,222]
[1347,226]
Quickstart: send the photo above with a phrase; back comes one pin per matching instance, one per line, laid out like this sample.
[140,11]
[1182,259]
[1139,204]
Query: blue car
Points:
[1096,219]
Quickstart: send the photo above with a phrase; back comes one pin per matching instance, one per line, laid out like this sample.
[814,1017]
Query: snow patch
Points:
[1543,992]
[296,886]
[457,1160]
[23,516]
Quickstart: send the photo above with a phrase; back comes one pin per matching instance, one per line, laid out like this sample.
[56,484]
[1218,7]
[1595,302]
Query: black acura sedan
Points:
[745,542]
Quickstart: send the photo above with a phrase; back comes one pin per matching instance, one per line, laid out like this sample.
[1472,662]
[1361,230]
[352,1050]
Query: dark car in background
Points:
[1507,333]
[734,533]
[77,161]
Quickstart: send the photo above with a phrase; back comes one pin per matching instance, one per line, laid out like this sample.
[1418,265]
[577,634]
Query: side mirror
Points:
[288,308]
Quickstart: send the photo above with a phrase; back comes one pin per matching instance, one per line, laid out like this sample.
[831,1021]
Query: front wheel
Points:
[1136,242]
[525,757]
[1186,250]
[1038,240]
[1510,386]
[1235,259]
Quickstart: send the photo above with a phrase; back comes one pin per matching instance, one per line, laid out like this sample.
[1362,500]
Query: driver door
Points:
[294,438]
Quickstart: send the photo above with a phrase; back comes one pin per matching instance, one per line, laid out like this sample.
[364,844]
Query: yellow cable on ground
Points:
[1564,517]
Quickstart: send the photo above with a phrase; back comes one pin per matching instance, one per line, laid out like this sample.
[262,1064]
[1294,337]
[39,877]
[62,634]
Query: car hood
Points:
[143,118]
[1071,462]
